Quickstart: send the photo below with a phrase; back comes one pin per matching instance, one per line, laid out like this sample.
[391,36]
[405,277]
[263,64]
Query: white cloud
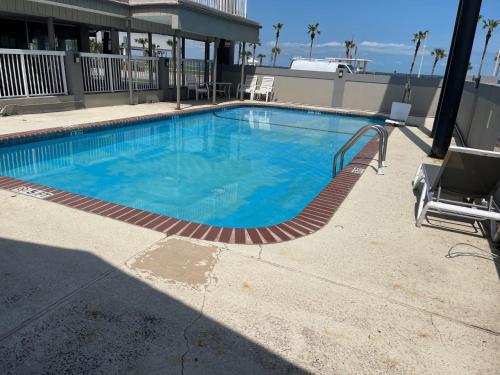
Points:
[383,45]
[329,44]
[303,45]
[387,48]
[335,46]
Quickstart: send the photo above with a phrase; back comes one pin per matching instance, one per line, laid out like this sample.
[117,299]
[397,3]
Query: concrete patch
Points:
[177,261]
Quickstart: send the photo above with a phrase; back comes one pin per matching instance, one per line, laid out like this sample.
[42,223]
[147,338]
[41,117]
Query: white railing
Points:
[236,7]
[31,73]
[145,73]
[109,73]
[190,67]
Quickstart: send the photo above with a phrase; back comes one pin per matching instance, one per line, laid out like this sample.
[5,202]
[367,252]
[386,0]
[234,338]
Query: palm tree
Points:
[95,46]
[438,54]
[170,43]
[489,25]
[417,39]
[275,52]
[142,42]
[353,47]
[254,47]
[277,28]
[261,57]
[312,30]
[349,45]
[245,55]
[154,49]
[347,48]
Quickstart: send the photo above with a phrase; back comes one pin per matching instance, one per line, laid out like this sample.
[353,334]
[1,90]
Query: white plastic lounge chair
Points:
[193,85]
[265,88]
[464,186]
[248,87]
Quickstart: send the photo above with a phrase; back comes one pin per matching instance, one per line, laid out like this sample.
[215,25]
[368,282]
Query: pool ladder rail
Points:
[383,137]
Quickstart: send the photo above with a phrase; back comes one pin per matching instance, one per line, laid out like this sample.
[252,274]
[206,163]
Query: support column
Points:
[207,65]
[214,77]
[456,72]
[150,44]
[51,33]
[115,42]
[183,56]
[178,72]
[84,38]
[174,57]
[106,42]
[129,62]
[239,53]
[27,35]
[74,78]
[242,78]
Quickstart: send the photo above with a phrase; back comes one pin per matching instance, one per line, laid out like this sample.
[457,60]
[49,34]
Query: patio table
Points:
[225,88]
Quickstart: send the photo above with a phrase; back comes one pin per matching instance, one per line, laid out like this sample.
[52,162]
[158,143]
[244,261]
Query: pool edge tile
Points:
[317,213]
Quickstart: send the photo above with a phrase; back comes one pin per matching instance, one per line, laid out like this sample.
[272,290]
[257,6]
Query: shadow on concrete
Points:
[415,139]
[68,311]
[465,226]
[424,130]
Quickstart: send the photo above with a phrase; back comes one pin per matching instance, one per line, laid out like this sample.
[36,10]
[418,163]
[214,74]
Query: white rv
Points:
[330,64]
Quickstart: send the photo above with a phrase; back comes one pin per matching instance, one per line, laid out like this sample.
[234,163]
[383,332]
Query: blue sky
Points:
[382,29]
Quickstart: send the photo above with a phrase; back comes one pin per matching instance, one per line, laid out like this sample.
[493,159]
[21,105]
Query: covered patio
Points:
[64,52]
[189,20]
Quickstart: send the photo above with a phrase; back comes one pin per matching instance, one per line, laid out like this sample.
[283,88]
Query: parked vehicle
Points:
[330,64]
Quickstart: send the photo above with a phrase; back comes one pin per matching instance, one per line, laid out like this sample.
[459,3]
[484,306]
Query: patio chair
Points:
[193,84]
[265,88]
[464,186]
[248,87]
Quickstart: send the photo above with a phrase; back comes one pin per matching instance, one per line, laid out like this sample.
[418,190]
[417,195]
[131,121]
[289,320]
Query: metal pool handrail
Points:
[383,137]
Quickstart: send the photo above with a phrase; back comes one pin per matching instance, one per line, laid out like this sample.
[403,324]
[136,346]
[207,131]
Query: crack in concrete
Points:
[260,252]
[191,324]
[375,295]
[436,328]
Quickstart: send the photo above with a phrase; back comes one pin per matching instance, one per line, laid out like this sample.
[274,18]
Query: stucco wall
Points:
[364,92]
[378,97]
[122,98]
[479,116]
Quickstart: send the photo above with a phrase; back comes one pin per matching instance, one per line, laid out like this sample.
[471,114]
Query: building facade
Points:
[37,36]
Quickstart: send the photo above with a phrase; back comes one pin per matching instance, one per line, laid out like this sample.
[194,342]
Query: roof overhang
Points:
[195,21]
[180,17]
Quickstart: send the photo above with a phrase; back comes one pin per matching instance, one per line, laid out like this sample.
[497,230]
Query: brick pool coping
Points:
[312,218]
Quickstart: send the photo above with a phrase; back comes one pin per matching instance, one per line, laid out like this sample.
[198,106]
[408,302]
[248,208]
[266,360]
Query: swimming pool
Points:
[241,167]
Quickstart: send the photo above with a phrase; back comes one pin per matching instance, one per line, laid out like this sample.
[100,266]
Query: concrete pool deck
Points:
[368,293]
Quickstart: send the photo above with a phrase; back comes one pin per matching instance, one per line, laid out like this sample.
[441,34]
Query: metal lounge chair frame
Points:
[464,186]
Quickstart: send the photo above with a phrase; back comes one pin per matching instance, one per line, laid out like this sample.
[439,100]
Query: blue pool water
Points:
[241,167]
